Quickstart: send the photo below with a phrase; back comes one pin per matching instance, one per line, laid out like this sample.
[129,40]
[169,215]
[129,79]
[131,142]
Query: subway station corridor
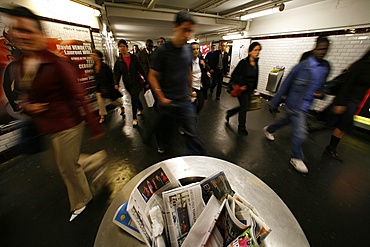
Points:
[331,203]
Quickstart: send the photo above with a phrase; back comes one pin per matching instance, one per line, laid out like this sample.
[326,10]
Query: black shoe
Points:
[332,153]
[243,132]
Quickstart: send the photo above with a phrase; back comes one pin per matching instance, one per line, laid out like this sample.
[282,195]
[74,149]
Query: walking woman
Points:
[245,75]
[105,88]
[128,67]
[347,102]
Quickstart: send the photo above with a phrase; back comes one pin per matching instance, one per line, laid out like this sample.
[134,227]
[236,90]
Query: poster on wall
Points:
[204,49]
[69,41]
[239,51]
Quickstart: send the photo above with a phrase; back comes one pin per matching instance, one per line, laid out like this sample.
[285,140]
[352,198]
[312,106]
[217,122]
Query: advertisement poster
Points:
[239,51]
[66,40]
[204,49]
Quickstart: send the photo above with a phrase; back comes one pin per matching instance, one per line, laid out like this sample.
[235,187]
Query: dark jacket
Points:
[130,77]
[245,74]
[144,59]
[56,84]
[105,84]
[297,85]
[356,83]
[204,69]
[215,59]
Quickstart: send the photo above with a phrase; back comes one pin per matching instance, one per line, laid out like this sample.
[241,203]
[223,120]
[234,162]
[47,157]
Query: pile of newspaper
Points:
[162,212]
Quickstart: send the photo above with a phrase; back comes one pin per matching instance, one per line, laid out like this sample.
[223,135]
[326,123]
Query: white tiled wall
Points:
[9,140]
[344,50]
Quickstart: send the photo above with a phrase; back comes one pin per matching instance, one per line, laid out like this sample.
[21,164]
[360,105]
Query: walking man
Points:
[300,87]
[173,62]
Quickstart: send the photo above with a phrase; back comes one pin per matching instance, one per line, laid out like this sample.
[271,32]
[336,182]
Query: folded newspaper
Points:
[183,206]
[148,194]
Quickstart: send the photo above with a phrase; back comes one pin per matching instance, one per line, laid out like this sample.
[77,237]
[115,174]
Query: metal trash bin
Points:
[274,78]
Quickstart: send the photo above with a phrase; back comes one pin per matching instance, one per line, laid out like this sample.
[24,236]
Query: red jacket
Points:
[56,83]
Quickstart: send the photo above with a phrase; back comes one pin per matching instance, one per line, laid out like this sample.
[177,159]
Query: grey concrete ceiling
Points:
[138,20]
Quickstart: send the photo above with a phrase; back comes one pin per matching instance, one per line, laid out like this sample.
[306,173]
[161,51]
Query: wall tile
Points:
[344,50]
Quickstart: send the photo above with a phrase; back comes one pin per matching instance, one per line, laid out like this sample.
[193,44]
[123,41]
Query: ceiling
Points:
[138,20]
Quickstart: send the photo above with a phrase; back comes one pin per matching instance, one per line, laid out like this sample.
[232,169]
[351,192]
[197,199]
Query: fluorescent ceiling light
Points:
[263,13]
[233,36]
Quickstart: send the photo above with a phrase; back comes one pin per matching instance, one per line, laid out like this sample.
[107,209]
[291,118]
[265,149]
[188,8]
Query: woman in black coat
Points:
[245,75]
[105,88]
[356,84]
[130,69]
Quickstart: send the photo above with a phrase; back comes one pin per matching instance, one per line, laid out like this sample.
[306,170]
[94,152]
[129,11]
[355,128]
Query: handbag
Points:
[236,91]
[149,99]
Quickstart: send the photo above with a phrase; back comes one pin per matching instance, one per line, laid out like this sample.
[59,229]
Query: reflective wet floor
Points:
[331,202]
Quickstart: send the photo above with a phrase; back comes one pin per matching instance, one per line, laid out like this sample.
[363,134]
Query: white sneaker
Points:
[268,134]
[299,165]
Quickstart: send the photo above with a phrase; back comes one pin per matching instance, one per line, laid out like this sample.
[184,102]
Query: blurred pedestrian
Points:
[303,83]
[105,87]
[161,41]
[135,50]
[200,77]
[173,62]
[145,55]
[346,103]
[245,76]
[52,96]
[219,68]
[129,68]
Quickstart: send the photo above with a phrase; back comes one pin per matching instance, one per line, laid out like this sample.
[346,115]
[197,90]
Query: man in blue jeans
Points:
[303,83]
[173,62]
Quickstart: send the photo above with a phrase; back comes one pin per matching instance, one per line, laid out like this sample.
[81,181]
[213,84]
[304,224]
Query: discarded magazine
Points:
[123,220]
[206,213]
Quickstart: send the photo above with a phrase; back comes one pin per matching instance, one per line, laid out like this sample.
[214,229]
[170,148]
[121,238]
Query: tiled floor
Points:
[331,202]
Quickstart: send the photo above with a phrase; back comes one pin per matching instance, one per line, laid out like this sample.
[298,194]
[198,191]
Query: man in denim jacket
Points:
[302,85]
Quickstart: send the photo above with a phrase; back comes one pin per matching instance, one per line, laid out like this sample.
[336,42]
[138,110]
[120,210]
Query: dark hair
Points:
[137,47]
[148,41]
[322,39]
[23,12]
[122,41]
[183,16]
[163,39]
[97,52]
[253,45]
[194,43]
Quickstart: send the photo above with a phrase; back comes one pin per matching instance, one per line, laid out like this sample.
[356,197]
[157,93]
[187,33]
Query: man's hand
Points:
[36,108]
[116,87]
[243,88]
[164,101]
[273,111]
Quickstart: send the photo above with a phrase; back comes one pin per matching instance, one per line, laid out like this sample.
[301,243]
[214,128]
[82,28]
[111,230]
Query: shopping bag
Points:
[148,95]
